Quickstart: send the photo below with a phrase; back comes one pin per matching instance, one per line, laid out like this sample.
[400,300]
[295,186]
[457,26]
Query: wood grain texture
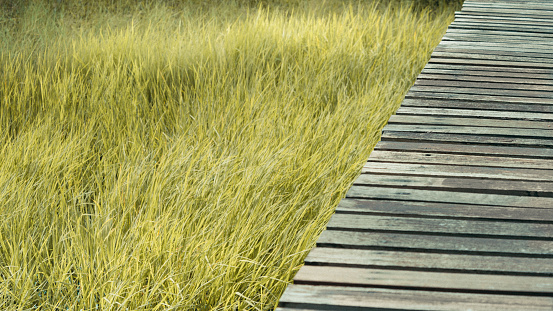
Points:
[466,139]
[464,149]
[528,285]
[443,210]
[475,121]
[459,159]
[417,261]
[450,170]
[441,226]
[471,113]
[465,184]
[436,244]
[307,297]
[501,98]
[417,195]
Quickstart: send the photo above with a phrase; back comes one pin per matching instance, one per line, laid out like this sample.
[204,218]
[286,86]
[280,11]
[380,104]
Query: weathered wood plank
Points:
[484,49]
[491,63]
[444,210]
[484,56]
[512,47]
[479,97]
[458,159]
[460,19]
[514,17]
[499,11]
[463,18]
[463,149]
[341,298]
[528,5]
[441,226]
[403,194]
[529,285]
[501,27]
[501,86]
[479,106]
[443,170]
[537,72]
[447,77]
[469,121]
[458,184]
[466,139]
[416,260]
[513,25]
[436,243]
[497,39]
[500,21]
[475,130]
[502,32]
[535,41]
[470,113]
[483,91]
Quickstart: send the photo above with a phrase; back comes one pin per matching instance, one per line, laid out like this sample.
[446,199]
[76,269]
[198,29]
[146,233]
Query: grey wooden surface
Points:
[454,208]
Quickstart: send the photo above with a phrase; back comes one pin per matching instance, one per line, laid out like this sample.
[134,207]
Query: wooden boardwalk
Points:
[454,208]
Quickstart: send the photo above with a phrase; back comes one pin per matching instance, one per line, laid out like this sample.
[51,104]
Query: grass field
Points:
[187,156]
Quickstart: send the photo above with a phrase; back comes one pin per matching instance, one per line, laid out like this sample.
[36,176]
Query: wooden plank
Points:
[484,48]
[514,28]
[539,20]
[436,243]
[492,63]
[474,130]
[499,21]
[529,5]
[543,14]
[527,48]
[511,14]
[341,298]
[539,72]
[466,139]
[463,149]
[499,115]
[494,17]
[469,121]
[483,56]
[458,159]
[535,40]
[464,16]
[528,285]
[479,97]
[477,106]
[443,210]
[360,258]
[458,184]
[402,194]
[458,227]
[481,76]
[497,39]
[500,32]
[502,86]
[483,91]
[445,77]
[447,170]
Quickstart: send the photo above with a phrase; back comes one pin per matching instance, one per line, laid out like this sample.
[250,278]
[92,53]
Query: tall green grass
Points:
[174,157]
